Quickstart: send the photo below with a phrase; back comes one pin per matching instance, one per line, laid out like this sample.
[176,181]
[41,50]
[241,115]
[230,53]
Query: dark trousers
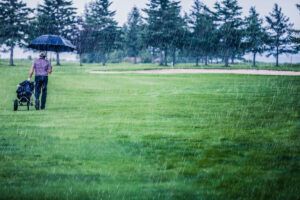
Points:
[41,83]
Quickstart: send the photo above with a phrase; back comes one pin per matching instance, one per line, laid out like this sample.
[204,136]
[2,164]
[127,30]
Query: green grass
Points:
[132,67]
[128,136]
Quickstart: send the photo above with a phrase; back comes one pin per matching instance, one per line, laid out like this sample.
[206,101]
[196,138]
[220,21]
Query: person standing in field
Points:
[41,68]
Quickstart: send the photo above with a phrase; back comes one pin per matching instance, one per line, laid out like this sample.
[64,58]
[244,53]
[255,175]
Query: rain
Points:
[150,99]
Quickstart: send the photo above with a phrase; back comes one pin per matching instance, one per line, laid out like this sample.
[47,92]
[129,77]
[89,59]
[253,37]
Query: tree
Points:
[255,34]
[279,31]
[101,28]
[57,17]
[296,35]
[80,39]
[228,15]
[133,32]
[185,43]
[14,21]
[203,33]
[180,35]
[164,25]
[1,29]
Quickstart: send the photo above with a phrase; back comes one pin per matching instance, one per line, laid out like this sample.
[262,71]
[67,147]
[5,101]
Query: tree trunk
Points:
[277,56]
[134,60]
[57,59]
[197,61]
[166,57]
[80,59]
[11,58]
[104,60]
[153,55]
[161,60]
[254,60]
[206,59]
[226,59]
[232,59]
[174,57]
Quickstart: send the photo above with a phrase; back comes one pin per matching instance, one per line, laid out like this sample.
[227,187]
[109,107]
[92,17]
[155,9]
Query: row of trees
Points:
[163,35]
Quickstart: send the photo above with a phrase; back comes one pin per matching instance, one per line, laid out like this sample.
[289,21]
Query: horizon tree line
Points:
[165,34]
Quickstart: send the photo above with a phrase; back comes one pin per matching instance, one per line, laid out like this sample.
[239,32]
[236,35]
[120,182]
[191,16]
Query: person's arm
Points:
[49,68]
[31,71]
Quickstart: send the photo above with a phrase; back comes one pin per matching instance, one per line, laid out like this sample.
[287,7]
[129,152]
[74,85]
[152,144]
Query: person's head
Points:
[43,55]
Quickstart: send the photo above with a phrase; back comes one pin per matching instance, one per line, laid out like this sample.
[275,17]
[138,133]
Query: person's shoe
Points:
[37,105]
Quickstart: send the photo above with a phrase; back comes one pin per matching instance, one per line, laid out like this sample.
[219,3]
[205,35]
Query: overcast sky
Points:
[123,7]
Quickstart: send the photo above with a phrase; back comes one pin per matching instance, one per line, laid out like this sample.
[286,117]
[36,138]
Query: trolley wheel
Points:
[28,105]
[16,104]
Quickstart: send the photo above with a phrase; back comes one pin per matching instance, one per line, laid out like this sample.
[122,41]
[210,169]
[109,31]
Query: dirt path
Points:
[204,71]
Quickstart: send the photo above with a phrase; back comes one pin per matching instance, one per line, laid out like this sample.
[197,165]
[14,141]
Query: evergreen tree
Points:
[14,21]
[180,35]
[81,39]
[203,36]
[255,34]
[103,32]
[186,40]
[228,14]
[296,36]
[151,35]
[279,31]
[164,26]
[56,17]
[133,32]
[2,22]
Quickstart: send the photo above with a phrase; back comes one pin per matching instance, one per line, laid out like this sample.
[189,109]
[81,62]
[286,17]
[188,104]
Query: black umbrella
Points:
[52,43]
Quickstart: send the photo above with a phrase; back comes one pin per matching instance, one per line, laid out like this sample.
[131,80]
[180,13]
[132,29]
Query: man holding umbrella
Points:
[41,68]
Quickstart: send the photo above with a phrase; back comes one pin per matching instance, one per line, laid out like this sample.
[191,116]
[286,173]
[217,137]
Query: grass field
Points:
[151,137]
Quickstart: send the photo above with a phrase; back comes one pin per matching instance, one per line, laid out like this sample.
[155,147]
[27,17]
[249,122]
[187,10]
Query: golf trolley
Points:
[24,95]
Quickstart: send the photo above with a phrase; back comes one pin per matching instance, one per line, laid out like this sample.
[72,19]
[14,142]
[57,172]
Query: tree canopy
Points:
[279,33]
[102,31]
[133,33]
[230,26]
[163,25]
[55,17]
[256,35]
[14,22]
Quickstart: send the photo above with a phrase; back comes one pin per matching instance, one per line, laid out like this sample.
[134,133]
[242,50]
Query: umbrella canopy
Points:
[52,43]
